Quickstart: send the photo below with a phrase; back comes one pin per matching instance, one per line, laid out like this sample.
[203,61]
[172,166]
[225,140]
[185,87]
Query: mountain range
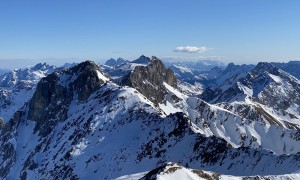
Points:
[146,119]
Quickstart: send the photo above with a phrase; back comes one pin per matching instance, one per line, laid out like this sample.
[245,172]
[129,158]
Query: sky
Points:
[58,31]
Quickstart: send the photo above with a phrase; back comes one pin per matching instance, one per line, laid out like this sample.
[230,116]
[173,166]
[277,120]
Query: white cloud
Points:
[190,49]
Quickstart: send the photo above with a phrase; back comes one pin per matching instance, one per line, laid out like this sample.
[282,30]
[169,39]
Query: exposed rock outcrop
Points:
[18,86]
[56,91]
[149,80]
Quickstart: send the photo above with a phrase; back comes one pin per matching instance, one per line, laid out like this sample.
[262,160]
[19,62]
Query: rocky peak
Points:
[88,80]
[258,79]
[56,91]
[120,61]
[142,60]
[231,67]
[263,67]
[40,66]
[68,65]
[167,74]
[111,62]
[149,80]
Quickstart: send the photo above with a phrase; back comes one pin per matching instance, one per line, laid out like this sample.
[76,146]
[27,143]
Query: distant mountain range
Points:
[146,119]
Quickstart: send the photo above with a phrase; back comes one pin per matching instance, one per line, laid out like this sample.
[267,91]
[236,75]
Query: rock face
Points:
[88,79]
[54,95]
[18,86]
[148,80]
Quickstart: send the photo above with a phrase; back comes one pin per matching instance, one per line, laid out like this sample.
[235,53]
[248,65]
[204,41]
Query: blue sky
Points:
[240,31]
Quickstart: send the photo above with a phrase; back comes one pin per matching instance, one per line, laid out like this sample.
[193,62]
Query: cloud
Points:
[190,49]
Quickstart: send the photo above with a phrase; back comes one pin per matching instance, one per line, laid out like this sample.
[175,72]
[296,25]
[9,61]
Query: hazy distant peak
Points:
[142,60]
[113,62]
[41,66]
[262,67]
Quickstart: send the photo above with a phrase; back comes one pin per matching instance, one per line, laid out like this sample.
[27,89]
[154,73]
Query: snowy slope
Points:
[195,76]
[80,124]
[98,142]
[17,87]
[275,93]
[172,171]
[106,131]
[189,89]
[240,124]
[232,73]
[201,65]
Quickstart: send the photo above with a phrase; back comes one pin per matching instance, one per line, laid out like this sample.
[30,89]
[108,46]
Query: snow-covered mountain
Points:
[189,89]
[193,76]
[82,124]
[231,74]
[199,73]
[171,171]
[240,124]
[291,67]
[267,96]
[18,86]
[201,65]
[266,85]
